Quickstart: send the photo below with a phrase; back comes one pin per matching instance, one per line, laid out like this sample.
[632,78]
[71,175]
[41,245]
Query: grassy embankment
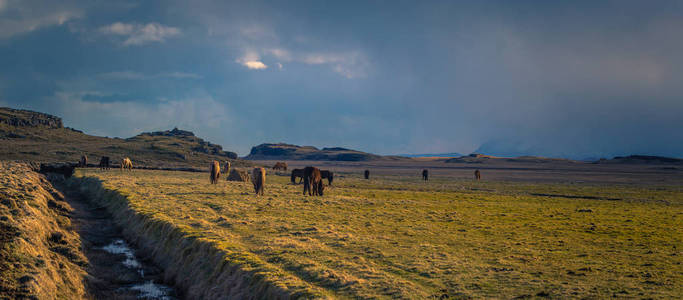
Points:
[395,236]
[40,255]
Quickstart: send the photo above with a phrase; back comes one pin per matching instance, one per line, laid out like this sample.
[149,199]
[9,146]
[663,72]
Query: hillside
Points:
[38,137]
[450,154]
[282,151]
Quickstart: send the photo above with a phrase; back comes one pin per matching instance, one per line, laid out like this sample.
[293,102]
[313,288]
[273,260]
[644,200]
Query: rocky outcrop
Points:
[20,117]
[284,151]
[175,132]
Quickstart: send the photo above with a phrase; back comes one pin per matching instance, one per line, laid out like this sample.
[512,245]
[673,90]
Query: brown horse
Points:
[83,162]
[477,175]
[367,174]
[425,175]
[126,164]
[280,166]
[259,179]
[215,172]
[313,182]
[297,173]
[327,174]
[227,167]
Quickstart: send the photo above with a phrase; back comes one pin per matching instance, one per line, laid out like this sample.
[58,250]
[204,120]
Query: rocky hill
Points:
[38,137]
[283,151]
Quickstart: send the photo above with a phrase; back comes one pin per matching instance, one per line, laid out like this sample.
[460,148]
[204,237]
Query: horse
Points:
[126,164]
[367,174]
[425,175]
[327,174]
[280,166]
[313,182]
[259,180]
[477,175]
[104,163]
[215,172]
[83,162]
[297,173]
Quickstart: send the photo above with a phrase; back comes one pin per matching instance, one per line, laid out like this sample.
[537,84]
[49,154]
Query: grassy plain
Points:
[396,236]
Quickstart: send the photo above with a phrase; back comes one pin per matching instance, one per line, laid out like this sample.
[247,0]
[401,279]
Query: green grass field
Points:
[396,236]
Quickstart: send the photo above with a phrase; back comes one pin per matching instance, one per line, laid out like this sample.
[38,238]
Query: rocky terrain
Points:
[282,151]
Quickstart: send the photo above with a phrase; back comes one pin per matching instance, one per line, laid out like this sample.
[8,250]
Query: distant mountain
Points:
[506,148]
[282,151]
[476,158]
[34,136]
[640,159]
[451,154]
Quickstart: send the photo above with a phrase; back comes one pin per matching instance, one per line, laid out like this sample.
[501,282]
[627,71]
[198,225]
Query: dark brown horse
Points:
[425,175]
[297,173]
[477,175]
[259,179]
[327,174]
[83,162]
[104,163]
[367,174]
[313,182]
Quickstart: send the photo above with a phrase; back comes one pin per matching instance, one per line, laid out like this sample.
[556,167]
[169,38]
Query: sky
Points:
[575,79]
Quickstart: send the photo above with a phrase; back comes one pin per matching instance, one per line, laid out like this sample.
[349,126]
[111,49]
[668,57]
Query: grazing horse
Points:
[313,182]
[297,173]
[477,175]
[126,164]
[327,174]
[227,167]
[425,175]
[215,172]
[83,162]
[104,163]
[367,174]
[259,179]
[280,166]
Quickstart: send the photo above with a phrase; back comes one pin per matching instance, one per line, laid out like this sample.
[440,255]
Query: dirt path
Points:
[115,270]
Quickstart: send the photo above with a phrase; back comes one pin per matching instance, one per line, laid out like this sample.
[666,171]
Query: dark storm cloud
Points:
[576,79]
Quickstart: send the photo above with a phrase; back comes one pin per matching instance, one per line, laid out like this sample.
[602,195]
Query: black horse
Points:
[104,163]
[297,173]
[367,174]
[327,174]
[425,175]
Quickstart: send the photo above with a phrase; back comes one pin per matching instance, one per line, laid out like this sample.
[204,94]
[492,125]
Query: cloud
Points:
[281,54]
[251,60]
[140,34]
[20,17]
[202,113]
[131,75]
[254,65]
[350,64]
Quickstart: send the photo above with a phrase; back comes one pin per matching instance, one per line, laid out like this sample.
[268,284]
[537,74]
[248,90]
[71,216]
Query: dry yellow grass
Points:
[398,237]
[40,254]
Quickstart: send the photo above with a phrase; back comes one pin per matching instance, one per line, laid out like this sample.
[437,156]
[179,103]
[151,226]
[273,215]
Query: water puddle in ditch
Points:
[116,269]
[146,290]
